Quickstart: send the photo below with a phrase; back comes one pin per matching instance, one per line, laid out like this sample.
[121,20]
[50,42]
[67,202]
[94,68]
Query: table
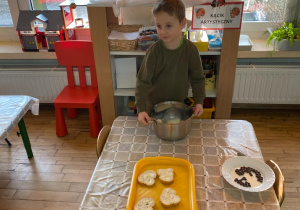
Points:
[207,146]
[12,110]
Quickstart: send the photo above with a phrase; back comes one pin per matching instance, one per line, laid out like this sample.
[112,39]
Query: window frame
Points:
[254,26]
[9,33]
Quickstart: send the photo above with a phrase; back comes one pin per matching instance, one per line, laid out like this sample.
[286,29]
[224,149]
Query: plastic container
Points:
[145,44]
[201,45]
[147,30]
[147,37]
[245,43]
[215,40]
[210,83]
[207,112]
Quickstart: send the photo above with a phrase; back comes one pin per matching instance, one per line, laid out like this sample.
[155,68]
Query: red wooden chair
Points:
[79,54]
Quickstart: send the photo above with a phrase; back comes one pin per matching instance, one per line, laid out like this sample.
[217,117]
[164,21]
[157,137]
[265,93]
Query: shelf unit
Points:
[131,92]
[139,52]
[101,16]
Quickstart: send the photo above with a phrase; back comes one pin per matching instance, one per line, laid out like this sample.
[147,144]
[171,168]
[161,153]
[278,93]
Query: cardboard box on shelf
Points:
[199,38]
[126,80]
[126,70]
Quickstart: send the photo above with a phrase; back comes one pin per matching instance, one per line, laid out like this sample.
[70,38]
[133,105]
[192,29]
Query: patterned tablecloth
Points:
[13,109]
[207,146]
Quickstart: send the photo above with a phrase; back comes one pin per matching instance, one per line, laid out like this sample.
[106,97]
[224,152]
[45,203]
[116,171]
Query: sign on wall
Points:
[225,16]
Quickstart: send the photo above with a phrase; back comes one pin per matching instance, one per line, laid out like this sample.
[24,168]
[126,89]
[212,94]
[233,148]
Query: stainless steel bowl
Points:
[171,132]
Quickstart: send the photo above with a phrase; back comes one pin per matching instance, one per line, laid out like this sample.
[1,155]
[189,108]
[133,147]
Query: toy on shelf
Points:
[32,36]
[147,37]
[210,71]
[215,40]
[75,19]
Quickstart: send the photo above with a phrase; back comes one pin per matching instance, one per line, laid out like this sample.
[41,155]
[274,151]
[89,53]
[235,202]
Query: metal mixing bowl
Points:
[176,131]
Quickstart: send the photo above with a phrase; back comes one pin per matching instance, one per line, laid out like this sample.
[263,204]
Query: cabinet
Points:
[75,19]
[100,17]
[139,54]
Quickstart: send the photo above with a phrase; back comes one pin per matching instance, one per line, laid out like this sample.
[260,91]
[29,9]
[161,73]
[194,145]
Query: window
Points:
[5,16]
[264,10]
[258,15]
[79,12]
[46,4]
[268,13]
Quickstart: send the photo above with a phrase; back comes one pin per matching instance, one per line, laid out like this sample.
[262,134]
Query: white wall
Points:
[137,15]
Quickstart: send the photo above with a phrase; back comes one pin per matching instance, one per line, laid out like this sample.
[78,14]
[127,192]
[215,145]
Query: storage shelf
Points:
[209,93]
[124,92]
[210,53]
[139,51]
[131,92]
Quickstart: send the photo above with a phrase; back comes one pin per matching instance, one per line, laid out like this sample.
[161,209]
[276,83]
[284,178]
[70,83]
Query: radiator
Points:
[259,84]
[267,84]
[44,84]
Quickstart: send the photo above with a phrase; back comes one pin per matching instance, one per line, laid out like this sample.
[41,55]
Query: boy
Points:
[170,65]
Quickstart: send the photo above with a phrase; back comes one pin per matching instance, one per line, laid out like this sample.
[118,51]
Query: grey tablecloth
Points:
[207,146]
[12,110]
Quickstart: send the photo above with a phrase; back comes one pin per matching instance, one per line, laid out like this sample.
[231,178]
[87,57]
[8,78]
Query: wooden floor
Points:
[58,175]
[278,134]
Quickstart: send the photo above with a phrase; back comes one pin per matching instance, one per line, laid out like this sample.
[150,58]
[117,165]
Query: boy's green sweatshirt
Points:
[165,75]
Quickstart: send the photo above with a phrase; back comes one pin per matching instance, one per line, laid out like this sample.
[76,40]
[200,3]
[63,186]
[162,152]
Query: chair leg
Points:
[98,109]
[94,123]
[71,113]
[61,128]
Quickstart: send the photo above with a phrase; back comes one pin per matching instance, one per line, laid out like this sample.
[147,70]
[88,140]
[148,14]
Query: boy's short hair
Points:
[172,7]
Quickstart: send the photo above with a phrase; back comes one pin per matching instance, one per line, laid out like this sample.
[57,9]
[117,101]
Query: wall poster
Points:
[211,16]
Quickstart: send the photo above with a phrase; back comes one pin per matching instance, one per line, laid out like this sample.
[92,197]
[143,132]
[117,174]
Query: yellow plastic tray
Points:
[184,182]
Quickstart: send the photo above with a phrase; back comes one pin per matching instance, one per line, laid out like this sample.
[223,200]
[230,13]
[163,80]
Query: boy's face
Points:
[169,29]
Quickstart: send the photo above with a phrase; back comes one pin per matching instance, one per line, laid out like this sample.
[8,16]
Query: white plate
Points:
[263,168]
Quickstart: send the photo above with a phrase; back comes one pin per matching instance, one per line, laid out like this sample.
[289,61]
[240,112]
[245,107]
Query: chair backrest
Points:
[102,137]
[279,181]
[77,53]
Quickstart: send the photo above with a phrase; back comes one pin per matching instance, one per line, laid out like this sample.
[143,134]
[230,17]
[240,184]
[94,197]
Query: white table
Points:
[12,110]
[209,144]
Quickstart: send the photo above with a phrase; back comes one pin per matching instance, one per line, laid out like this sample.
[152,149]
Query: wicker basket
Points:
[123,45]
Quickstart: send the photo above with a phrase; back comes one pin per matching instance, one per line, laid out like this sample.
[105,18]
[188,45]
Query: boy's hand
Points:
[143,117]
[198,109]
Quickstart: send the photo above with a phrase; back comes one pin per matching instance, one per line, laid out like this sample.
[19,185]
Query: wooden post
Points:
[226,76]
[98,26]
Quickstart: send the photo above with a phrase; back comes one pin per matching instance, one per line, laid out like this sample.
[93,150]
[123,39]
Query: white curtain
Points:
[292,12]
